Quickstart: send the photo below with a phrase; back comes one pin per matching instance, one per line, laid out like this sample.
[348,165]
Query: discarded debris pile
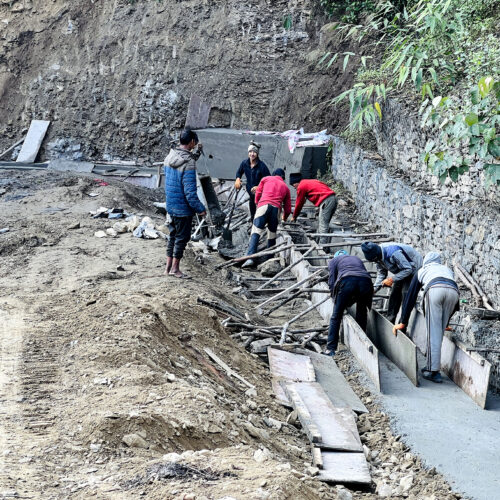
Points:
[144,228]
[172,470]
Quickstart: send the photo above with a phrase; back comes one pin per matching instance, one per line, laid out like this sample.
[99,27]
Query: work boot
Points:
[248,263]
[432,376]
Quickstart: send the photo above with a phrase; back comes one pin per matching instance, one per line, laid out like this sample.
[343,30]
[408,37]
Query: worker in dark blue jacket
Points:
[254,170]
[349,283]
[182,200]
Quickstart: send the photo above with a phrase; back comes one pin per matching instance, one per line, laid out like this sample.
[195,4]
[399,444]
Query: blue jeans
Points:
[351,290]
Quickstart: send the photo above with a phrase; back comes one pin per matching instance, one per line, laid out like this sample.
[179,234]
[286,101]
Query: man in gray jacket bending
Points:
[440,302]
[403,261]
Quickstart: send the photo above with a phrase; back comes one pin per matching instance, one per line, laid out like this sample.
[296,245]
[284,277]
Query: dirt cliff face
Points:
[115,77]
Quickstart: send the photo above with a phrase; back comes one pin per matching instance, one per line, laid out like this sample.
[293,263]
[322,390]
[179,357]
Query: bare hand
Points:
[203,214]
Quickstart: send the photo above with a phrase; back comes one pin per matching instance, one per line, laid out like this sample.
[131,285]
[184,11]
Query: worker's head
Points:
[340,252]
[432,258]
[253,150]
[280,173]
[295,179]
[372,251]
[188,138]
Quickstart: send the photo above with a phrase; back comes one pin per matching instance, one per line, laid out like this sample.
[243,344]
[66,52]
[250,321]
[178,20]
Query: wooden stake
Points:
[269,251]
[227,369]
[290,288]
[12,147]
[485,299]
[303,313]
[288,268]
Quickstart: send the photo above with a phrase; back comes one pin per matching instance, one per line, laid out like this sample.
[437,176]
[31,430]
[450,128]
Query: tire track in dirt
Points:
[28,372]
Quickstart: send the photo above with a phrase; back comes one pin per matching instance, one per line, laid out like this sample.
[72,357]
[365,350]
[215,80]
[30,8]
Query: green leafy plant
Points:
[287,22]
[430,49]
[464,135]
[347,11]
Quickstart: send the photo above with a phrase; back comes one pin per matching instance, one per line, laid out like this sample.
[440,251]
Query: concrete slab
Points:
[446,429]
[33,141]
[71,166]
[225,149]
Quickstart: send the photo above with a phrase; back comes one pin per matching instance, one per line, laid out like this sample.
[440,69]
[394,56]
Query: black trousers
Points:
[180,234]
[398,293]
[351,290]
[252,206]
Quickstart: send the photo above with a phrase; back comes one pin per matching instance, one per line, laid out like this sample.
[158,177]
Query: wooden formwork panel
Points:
[362,348]
[399,349]
[469,370]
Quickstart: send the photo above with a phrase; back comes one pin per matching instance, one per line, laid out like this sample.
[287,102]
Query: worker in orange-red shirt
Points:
[320,195]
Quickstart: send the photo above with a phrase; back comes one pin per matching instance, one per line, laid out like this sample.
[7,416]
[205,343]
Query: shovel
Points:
[227,234]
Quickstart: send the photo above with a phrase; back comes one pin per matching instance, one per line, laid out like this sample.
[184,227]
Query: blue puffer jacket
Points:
[180,184]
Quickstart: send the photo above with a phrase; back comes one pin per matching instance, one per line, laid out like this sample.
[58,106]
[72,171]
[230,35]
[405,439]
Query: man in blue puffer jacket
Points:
[182,198]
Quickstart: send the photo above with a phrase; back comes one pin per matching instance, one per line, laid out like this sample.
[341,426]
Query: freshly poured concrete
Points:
[446,429]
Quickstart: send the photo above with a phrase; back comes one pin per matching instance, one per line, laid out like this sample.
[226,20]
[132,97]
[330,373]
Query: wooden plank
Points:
[33,141]
[286,366]
[316,457]
[198,113]
[227,368]
[344,468]
[336,426]
[469,371]
[362,348]
[303,414]
[290,366]
[399,349]
[333,382]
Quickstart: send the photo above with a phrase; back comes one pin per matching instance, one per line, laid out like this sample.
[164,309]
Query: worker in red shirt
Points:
[271,196]
[320,195]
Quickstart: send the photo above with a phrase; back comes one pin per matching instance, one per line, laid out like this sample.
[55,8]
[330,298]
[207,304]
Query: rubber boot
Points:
[254,244]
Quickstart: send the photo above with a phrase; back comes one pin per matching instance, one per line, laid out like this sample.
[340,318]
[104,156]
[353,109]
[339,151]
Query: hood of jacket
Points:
[432,258]
[177,157]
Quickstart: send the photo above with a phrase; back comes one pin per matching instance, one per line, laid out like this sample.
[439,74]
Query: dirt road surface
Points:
[105,388]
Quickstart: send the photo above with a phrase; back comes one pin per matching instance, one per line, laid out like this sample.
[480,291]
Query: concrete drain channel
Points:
[313,385]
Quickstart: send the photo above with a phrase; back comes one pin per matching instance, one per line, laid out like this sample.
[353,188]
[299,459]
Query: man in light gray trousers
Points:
[440,302]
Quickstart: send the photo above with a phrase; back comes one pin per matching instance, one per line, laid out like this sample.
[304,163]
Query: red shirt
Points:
[273,191]
[315,191]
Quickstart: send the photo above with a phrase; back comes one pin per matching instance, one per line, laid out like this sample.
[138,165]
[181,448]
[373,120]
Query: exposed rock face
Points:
[115,78]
